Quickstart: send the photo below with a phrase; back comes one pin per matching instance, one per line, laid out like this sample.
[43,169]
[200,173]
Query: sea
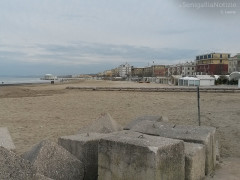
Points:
[21,80]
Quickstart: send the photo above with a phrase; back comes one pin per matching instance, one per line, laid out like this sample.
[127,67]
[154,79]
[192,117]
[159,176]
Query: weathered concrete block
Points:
[54,161]
[40,177]
[85,148]
[152,118]
[134,156]
[13,167]
[104,124]
[194,161]
[195,134]
[217,151]
[5,139]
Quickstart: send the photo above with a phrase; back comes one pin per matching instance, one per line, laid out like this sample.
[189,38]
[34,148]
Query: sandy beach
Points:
[36,112]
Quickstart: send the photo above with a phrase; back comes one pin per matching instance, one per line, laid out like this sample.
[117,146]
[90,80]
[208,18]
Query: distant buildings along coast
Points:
[206,65]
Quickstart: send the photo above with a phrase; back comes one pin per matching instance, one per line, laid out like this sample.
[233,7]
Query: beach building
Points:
[206,80]
[162,80]
[188,81]
[235,76]
[234,64]
[173,80]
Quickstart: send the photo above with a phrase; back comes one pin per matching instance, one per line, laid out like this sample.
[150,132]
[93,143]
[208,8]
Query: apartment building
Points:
[188,69]
[124,70]
[212,64]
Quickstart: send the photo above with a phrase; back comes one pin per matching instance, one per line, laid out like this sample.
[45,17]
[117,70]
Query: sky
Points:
[64,37]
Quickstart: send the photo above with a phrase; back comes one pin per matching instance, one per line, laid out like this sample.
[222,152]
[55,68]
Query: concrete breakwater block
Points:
[14,167]
[135,156]
[194,161]
[139,119]
[54,161]
[85,148]
[41,177]
[5,139]
[104,124]
[195,134]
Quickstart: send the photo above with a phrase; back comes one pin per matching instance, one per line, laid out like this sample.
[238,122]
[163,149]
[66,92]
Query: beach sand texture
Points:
[36,112]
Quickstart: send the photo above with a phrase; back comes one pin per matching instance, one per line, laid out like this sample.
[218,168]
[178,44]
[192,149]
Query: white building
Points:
[189,69]
[124,70]
[206,80]
[234,64]
[235,76]
[188,81]
[49,77]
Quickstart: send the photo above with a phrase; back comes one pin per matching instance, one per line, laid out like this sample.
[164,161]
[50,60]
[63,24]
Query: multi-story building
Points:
[107,73]
[124,70]
[175,69]
[212,64]
[234,64]
[188,69]
[158,70]
[115,72]
[148,71]
[137,71]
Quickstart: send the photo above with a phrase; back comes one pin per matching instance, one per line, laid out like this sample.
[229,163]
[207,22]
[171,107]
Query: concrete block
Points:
[194,161]
[5,139]
[85,148]
[104,124]
[41,177]
[195,134]
[217,151]
[139,119]
[134,156]
[13,167]
[53,161]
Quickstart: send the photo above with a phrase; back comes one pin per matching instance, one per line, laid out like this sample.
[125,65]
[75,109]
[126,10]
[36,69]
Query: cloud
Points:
[90,36]
[90,55]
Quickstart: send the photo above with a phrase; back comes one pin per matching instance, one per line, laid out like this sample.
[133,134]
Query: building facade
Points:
[158,70]
[189,69]
[137,71]
[124,70]
[212,64]
[234,64]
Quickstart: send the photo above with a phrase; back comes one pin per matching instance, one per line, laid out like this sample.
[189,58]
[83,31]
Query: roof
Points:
[234,75]
[206,77]
[190,78]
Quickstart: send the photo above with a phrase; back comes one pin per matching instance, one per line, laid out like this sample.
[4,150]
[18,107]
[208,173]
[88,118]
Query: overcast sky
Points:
[89,36]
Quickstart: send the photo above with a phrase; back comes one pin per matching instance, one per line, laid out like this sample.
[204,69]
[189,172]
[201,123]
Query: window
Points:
[205,56]
[197,57]
[220,55]
[220,61]
[229,56]
[209,56]
[201,57]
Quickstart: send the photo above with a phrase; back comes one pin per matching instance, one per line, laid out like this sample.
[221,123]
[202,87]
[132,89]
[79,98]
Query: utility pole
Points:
[198,99]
